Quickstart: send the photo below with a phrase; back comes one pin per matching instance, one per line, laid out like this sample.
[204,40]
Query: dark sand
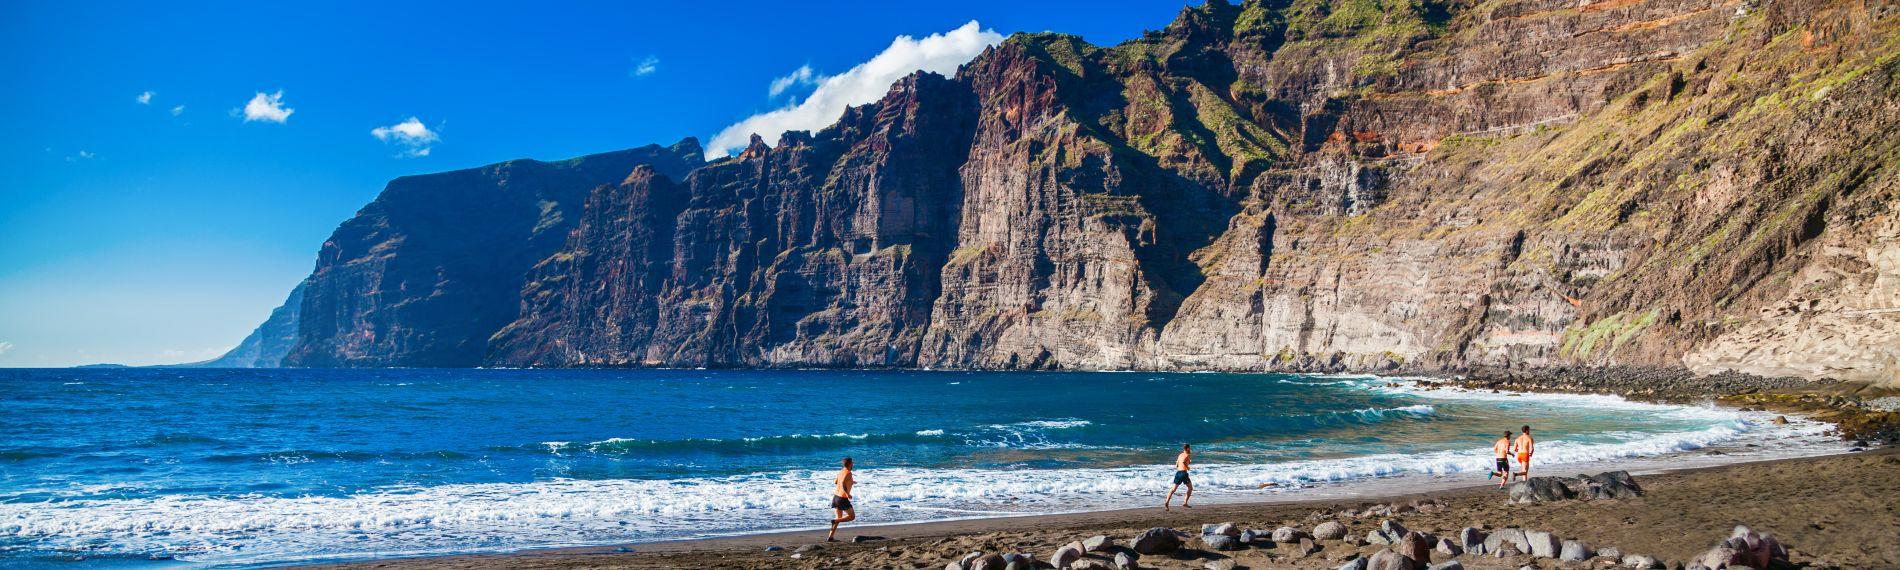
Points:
[1834,511]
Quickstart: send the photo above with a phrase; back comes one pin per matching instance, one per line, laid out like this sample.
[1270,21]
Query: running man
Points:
[841,500]
[1525,445]
[1181,478]
[1502,448]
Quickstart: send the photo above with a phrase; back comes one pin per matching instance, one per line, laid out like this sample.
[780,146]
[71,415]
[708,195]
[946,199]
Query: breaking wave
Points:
[564,512]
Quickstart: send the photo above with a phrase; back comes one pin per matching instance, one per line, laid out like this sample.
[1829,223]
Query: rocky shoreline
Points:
[1390,545]
[1863,414]
[1666,520]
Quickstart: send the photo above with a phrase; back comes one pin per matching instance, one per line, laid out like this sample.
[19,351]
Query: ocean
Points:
[158,467]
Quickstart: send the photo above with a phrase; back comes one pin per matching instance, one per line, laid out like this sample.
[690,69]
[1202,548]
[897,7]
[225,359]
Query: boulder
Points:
[1502,537]
[1759,550]
[1376,536]
[1540,490]
[1018,561]
[1543,544]
[989,561]
[964,563]
[1067,555]
[1417,547]
[1307,546]
[1221,542]
[1450,548]
[1097,543]
[1608,485]
[1575,551]
[1125,560]
[1354,564]
[1224,529]
[1158,540]
[1447,565]
[1721,556]
[1329,530]
[1611,552]
[1389,532]
[1472,539]
[1386,559]
[1288,535]
[1251,536]
[1641,562]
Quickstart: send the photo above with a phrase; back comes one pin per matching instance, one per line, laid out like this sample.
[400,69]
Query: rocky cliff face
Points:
[1298,185]
[426,273]
[266,346]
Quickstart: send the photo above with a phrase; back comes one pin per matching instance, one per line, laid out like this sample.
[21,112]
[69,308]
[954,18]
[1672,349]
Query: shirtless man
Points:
[1181,478]
[1525,445]
[841,500]
[1502,448]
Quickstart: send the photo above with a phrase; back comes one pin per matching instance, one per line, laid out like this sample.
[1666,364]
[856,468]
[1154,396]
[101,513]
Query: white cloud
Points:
[413,136]
[801,76]
[180,110]
[865,83]
[647,66]
[267,108]
[146,98]
[5,347]
[81,155]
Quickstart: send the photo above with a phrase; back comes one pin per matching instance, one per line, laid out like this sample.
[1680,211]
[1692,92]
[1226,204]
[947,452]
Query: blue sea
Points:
[155,467]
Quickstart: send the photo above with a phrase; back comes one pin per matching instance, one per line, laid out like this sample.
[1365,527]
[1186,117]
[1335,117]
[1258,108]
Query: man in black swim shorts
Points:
[841,500]
[1181,478]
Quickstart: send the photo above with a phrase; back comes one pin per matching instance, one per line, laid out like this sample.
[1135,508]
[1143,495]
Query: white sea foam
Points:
[563,512]
[568,512]
[1379,413]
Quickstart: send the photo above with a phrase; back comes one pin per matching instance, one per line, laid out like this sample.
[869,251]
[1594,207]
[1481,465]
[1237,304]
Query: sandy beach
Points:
[1831,511]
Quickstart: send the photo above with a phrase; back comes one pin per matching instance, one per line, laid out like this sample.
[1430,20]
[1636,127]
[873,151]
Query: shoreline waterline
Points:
[752,542]
[474,518]
[1716,455]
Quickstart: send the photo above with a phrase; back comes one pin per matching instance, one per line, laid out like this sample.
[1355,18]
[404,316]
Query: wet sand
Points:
[1832,511]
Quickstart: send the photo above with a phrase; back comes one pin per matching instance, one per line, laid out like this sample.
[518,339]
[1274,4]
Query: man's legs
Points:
[840,516]
[1189,496]
[1165,503]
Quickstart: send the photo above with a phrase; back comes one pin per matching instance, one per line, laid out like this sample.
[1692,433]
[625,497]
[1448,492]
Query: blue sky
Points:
[160,228]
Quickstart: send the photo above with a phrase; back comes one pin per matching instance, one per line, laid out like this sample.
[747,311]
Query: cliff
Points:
[1304,185]
[266,346]
[427,272]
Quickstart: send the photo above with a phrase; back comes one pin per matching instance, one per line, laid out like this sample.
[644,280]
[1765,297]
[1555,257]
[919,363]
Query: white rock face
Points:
[1841,321]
